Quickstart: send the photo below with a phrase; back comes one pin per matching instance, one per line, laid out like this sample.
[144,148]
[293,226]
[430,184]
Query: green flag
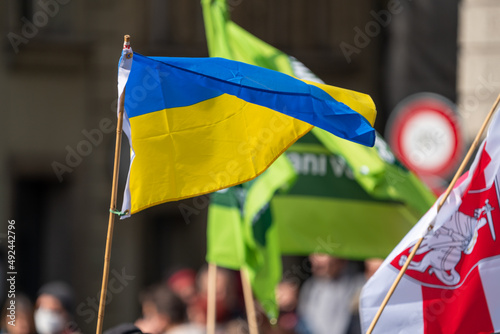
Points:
[349,201]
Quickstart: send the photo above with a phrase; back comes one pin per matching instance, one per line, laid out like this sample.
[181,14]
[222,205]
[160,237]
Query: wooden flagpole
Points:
[211,295]
[111,222]
[459,172]
[249,303]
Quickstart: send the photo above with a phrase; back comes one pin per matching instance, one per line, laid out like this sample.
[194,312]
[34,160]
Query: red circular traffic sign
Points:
[425,135]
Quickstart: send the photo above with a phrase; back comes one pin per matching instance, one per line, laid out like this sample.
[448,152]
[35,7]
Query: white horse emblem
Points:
[446,244]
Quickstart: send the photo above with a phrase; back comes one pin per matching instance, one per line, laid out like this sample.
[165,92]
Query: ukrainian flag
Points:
[197,125]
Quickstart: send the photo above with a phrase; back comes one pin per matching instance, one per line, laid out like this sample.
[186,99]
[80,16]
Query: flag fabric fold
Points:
[451,286]
[197,125]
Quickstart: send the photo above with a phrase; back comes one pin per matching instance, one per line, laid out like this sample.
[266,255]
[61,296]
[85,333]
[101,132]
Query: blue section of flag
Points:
[180,82]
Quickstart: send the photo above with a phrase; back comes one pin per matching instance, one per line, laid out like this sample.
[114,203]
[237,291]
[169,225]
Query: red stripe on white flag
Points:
[457,311]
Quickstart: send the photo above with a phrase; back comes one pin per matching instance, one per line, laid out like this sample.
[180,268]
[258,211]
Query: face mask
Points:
[48,322]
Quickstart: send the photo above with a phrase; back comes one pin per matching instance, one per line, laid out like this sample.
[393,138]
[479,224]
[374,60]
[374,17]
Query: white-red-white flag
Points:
[452,285]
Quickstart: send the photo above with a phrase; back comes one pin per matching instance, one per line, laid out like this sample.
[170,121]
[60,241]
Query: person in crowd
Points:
[54,309]
[183,283]
[164,312]
[287,294]
[17,316]
[371,265]
[324,305]
[229,304]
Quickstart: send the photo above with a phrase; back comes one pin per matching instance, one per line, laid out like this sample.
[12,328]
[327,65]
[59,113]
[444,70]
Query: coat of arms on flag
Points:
[447,256]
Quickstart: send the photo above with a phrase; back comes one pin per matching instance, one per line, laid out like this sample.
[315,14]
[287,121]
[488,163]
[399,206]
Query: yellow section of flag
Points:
[234,140]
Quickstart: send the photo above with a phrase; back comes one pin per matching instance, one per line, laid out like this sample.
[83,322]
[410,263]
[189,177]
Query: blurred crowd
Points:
[324,302]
